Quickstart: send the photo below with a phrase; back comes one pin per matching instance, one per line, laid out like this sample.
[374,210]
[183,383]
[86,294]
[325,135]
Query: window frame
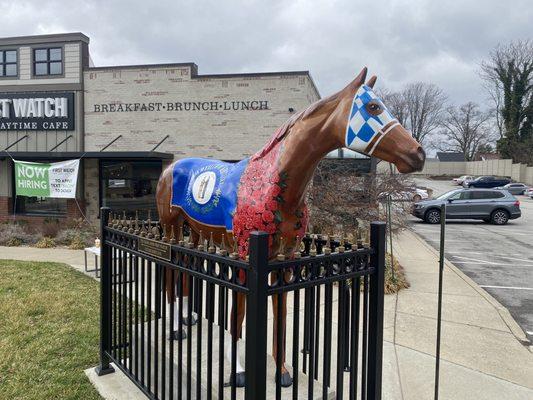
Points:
[4,63]
[48,61]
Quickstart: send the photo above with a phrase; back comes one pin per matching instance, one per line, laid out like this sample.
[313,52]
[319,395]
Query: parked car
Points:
[459,181]
[490,205]
[487,182]
[468,180]
[529,192]
[410,194]
[514,188]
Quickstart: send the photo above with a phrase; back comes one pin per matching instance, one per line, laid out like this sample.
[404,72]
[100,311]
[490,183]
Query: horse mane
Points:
[285,129]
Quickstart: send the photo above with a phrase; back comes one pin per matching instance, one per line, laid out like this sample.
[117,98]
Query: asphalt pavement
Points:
[497,258]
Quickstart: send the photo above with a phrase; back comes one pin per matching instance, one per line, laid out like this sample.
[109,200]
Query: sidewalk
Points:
[483,355]
[74,258]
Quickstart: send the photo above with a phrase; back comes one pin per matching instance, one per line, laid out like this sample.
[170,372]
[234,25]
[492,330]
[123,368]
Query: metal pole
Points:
[15,142]
[389,222]
[375,320]
[60,143]
[160,143]
[256,318]
[439,312]
[111,142]
[105,298]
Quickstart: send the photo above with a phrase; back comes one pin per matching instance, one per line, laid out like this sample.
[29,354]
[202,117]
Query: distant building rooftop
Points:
[450,157]
[487,156]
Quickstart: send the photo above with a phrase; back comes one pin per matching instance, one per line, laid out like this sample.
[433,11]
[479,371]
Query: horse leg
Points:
[238,310]
[177,335]
[285,377]
[186,290]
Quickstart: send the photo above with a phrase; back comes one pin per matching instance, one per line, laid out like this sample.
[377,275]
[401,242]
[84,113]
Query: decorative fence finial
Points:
[234,254]
[201,245]
[297,252]
[327,248]
[172,239]
[181,242]
[281,254]
[211,248]
[312,251]
[341,247]
[165,237]
[136,230]
[143,229]
[222,251]
[149,234]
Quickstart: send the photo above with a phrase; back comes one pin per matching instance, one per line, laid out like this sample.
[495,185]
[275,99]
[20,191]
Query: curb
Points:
[505,315]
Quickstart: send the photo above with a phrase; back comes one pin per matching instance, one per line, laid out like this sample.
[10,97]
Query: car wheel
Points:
[499,217]
[433,217]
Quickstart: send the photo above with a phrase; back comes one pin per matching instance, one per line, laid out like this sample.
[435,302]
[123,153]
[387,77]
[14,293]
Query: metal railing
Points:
[333,320]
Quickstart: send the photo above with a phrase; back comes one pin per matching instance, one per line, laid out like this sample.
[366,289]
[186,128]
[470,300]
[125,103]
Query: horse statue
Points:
[267,191]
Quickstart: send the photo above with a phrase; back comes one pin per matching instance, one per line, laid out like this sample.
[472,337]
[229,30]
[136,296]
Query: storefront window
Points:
[40,206]
[130,185]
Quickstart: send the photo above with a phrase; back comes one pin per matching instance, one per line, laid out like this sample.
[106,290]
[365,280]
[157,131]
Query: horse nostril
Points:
[421,153]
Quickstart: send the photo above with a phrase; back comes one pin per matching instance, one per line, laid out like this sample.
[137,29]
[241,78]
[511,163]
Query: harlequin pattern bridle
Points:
[369,121]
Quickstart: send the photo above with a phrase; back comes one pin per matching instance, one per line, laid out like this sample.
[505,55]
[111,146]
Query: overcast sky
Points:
[399,40]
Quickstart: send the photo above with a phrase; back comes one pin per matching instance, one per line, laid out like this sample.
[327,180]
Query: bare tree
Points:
[508,77]
[465,129]
[343,200]
[418,107]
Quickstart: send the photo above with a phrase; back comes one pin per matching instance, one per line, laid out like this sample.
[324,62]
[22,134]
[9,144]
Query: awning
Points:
[70,155]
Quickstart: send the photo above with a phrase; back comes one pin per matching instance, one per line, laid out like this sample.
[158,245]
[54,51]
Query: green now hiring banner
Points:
[46,180]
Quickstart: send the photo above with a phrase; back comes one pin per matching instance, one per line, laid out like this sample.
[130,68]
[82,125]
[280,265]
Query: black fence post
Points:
[256,318]
[375,323]
[105,298]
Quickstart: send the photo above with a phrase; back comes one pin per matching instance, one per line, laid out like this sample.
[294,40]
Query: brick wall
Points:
[214,129]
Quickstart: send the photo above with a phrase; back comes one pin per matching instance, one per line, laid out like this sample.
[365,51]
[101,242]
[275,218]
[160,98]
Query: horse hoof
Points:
[178,335]
[193,320]
[286,379]
[240,380]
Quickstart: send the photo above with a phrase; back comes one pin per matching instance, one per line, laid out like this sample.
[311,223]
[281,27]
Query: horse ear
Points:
[358,81]
[372,81]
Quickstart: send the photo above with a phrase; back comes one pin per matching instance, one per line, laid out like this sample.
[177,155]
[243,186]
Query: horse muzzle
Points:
[398,147]
[412,161]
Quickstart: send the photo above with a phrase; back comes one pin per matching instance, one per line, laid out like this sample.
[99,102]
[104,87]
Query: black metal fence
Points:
[333,336]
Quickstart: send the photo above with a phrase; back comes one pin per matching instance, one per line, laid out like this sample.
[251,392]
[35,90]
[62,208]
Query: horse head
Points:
[364,124]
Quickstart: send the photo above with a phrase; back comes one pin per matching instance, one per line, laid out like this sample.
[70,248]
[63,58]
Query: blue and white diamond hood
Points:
[364,129]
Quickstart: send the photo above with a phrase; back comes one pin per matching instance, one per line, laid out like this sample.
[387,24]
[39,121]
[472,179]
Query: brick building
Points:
[126,123]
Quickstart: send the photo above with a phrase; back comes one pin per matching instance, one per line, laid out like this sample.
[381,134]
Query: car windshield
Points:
[448,194]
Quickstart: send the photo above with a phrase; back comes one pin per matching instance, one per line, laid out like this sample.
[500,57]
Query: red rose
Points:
[272,205]
[274,178]
[268,216]
[275,190]
[271,227]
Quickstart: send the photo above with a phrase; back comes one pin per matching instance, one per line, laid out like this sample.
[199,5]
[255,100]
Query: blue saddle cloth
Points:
[207,189]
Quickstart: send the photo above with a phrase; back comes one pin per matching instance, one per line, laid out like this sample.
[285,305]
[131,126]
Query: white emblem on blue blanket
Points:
[207,189]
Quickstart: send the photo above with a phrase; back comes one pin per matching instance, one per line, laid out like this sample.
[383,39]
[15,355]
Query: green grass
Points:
[49,319]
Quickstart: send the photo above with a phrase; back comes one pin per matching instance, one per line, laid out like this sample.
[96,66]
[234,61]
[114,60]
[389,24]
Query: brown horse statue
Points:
[267,191]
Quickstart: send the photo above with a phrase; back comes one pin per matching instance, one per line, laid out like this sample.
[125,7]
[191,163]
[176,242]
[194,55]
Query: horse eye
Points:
[374,107]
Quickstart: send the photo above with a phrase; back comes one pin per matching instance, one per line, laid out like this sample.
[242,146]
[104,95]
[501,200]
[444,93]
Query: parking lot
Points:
[498,258]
